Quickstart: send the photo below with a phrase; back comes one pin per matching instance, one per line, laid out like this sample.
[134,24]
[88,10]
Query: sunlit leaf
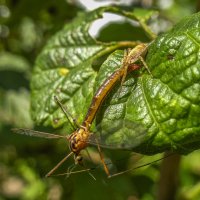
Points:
[64,68]
[166,103]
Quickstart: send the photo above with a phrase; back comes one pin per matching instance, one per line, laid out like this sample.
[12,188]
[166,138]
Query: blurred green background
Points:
[25,27]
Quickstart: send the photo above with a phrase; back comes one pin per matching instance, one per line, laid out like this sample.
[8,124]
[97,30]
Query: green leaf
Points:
[166,104]
[14,71]
[64,68]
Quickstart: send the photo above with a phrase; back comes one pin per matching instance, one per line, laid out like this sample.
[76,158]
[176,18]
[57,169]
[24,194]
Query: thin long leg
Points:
[102,159]
[74,172]
[68,173]
[131,56]
[145,65]
[146,164]
[125,66]
[69,170]
[67,114]
[91,161]
[58,165]
[91,175]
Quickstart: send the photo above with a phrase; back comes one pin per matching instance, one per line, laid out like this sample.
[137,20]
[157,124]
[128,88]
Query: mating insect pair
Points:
[82,135]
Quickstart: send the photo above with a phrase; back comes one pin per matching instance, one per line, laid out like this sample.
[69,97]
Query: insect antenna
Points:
[58,165]
[67,114]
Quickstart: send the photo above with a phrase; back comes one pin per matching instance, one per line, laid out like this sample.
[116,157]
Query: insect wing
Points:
[120,134]
[30,132]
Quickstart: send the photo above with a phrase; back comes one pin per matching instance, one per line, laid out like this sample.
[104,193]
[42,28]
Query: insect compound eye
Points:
[73,145]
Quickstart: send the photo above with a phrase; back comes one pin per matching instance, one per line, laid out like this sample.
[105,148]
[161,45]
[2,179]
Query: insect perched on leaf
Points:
[82,136]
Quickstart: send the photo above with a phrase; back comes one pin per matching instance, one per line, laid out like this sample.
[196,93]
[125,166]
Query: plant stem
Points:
[169,176]
[148,31]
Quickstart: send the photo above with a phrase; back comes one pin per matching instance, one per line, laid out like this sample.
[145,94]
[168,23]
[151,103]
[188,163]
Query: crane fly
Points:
[80,138]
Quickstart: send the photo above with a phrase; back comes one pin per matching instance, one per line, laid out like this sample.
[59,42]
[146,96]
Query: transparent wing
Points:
[120,134]
[30,132]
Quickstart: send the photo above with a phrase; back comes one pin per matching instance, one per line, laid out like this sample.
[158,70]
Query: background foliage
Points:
[24,161]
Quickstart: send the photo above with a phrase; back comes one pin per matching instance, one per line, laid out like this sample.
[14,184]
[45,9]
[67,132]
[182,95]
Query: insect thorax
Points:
[78,140]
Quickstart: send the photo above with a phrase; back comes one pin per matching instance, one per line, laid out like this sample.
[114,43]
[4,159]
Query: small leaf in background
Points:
[15,107]
[14,103]
[13,62]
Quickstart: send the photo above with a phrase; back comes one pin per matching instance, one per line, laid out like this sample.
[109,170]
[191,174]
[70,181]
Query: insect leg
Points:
[102,159]
[58,165]
[145,65]
[70,170]
[124,66]
[146,164]
[67,113]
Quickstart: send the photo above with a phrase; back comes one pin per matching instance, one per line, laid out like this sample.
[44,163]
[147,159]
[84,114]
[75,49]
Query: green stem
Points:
[146,28]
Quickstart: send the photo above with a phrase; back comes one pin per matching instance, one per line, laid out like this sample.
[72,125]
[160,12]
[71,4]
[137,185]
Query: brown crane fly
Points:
[80,138]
